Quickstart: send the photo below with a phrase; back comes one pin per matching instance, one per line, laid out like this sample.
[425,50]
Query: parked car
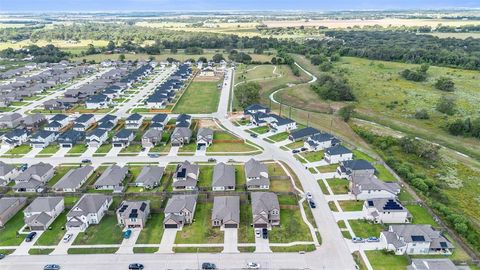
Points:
[253,265]
[373,239]
[212,160]
[358,240]
[51,267]
[258,233]
[135,266]
[265,233]
[2,256]
[303,149]
[86,161]
[312,204]
[208,266]
[309,195]
[23,167]
[30,236]
[253,135]
[154,155]
[127,234]
[67,237]
[295,151]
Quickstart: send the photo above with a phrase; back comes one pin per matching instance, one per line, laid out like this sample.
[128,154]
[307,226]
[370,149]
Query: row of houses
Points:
[166,92]
[260,116]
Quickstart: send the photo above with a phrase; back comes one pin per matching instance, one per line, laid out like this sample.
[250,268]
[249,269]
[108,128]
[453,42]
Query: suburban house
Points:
[70,138]
[386,211]
[204,137]
[369,187]
[90,209]
[98,101]
[133,214]
[415,239]
[282,124]
[433,264]
[262,119]
[160,118]
[226,212]
[34,178]
[83,122]
[15,137]
[60,104]
[223,177]
[303,134]
[354,168]
[134,121]
[57,122]
[255,108]
[12,120]
[265,209]
[123,138]
[257,175]
[181,136]
[112,179]
[9,207]
[179,211]
[337,153]
[149,177]
[151,137]
[183,120]
[7,173]
[73,179]
[186,176]
[42,212]
[32,121]
[43,138]
[96,137]
[320,141]
[108,122]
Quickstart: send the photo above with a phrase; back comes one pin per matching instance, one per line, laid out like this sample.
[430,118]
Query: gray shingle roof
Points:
[226,208]
[43,204]
[113,176]
[362,183]
[337,150]
[264,202]
[223,175]
[432,264]
[150,175]
[179,202]
[89,203]
[74,177]
[39,169]
[5,168]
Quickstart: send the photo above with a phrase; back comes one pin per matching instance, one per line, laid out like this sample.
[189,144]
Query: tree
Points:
[217,58]
[445,84]
[316,60]
[273,61]
[247,93]
[446,105]
[332,87]
[346,112]
[422,114]
[90,50]
[202,59]
[121,57]
[111,46]
[327,66]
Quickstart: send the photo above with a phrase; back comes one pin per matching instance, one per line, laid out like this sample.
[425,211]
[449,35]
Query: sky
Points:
[169,5]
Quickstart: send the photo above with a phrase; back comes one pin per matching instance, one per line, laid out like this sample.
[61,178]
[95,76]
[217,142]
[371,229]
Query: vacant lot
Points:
[199,97]
[381,260]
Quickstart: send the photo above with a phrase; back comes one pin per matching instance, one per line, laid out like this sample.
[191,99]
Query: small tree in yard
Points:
[247,94]
[445,84]
[346,112]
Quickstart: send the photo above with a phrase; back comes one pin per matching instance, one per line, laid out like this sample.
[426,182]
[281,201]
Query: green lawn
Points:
[199,97]
[53,236]
[420,215]
[295,145]
[351,205]
[365,229]
[260,130]
[205,177]
[92,250]
[49,150]
[286,199]
[313,156]
[381,260]
[224,135]
[357,154]
[323,187]
[383,173]
[40,251]
[279,137]
[145,249]
[230,147]
[60,171]
[153,231]
[246,233]
[281,185]
[328,168]
[106,232]
[295,248]
[200,231]
[8,235]
[19,150]
[292,228]
[339,185]
[104,148]
[132,148]
[78,149]
[191,147]
[240,179]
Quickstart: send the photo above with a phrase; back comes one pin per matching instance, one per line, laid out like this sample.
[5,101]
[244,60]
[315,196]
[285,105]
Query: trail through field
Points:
[274,72]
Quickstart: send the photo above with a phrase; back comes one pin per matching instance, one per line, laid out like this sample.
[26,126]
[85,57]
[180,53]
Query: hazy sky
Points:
[165,5]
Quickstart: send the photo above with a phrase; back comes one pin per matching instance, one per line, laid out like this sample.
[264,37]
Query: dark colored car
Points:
[265,233]
[208,266]
[312,204]
[295,151]
[212,160]
[30,236]
[51,267]
[86,161]
[303,149]
[253,135]
[135,266]
[2,256]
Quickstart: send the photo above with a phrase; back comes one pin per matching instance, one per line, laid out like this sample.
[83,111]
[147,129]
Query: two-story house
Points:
[265,209]
[180,210]
[186,176]
[133,214]
[90,209]
[42,212]
[257,175]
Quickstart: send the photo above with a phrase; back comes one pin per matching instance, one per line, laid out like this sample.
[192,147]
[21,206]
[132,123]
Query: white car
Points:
[67,237]
[309,195]
[253,265]
[258,233]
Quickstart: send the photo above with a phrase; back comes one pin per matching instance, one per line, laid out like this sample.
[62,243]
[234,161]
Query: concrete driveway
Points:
[348,215]
[33,152]
[62,247]
[230,240]
[168,239]
[61,152]
[127,244]
[173,151]
[262,245]
[89,152]
[114,151]
[25,246]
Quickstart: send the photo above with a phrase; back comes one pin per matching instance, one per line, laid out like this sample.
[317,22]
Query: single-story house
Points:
[223,177]
[9,207]
[11,120]
[73,179]
[112,178]
[434,264]
[7,173]
[369,187]
[149,177]
[42,212]
[226,211]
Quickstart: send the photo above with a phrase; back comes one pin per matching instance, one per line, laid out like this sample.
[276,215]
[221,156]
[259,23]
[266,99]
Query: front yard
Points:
[8,235]
[49,150]
[153,231]
[313,156]
[351,205]
[77,150]
[53,236]
[103,149]
[292,228]
[328,168]
[201,230]
[338,185]
[365,229]
[19,150]
[106,232]
[260,130]
[382,260]
[279,137]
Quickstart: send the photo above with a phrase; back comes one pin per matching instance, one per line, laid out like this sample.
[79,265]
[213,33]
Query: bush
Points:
[446,105]
[247,94]
[346,112]
[332,87]
[416,75]
[422,114]
[445,84]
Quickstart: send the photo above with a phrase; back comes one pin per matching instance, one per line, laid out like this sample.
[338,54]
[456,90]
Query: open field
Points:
[63,44]
[199,97]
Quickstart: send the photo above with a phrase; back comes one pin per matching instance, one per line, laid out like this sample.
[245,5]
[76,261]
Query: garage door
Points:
[66,145]
[171,226]
[37,228]
[230,225]
[260,225]
[117,145]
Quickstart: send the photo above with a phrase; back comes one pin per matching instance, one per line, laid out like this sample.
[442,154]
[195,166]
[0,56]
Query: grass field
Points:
[53,236]
[19,150]
[351,205]
[201,230]
[338,186]
[199,97]
[106,232]
[381,260]
[365,229]
[49,150]
[8,235]
[420,215]
[313,156]
[292,228]
[153,231]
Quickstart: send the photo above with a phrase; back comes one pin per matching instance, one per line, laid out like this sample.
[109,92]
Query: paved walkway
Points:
[230,240]
[127,244]
[62,247]
[348,215]
[173,151]
[89,152]
[168,239]
[262,245]
[25,246]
